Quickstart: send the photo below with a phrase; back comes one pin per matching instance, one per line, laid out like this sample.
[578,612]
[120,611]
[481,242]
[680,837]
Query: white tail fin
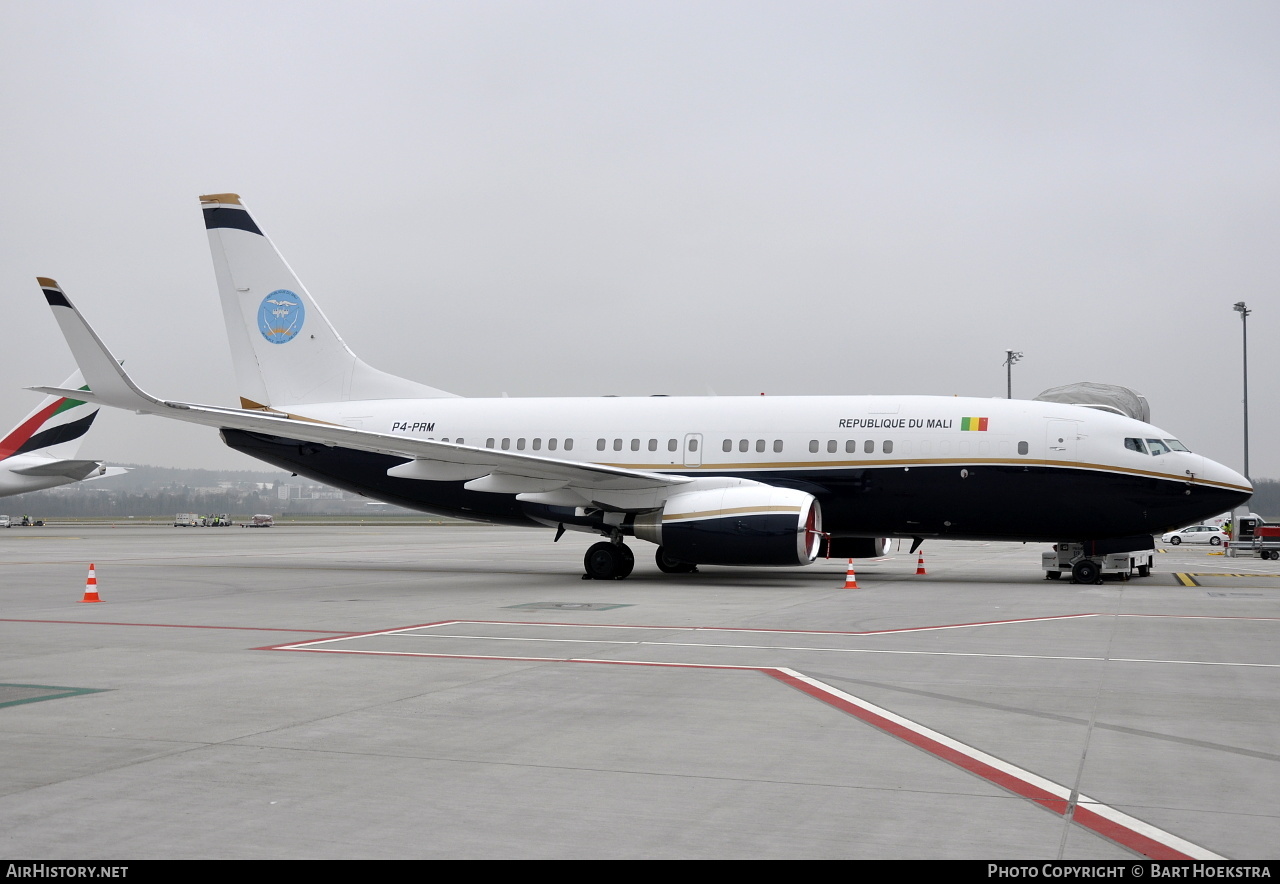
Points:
[56,426]
[284,349]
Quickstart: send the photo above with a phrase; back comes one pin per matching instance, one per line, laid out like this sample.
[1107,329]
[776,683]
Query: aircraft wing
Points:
[530,477]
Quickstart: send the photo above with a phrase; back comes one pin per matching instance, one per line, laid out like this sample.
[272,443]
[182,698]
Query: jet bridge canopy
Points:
[1106,397]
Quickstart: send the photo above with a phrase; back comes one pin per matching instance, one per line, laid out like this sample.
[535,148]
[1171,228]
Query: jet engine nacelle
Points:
[739,525]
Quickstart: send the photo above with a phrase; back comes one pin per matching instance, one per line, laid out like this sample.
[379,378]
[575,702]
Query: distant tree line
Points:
[1266,499]
[59,503]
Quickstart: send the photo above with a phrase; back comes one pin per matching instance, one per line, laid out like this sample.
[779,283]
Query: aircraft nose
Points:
[1225,478]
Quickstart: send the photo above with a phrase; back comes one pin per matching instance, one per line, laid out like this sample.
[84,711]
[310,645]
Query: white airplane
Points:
[39,452]
[759,480]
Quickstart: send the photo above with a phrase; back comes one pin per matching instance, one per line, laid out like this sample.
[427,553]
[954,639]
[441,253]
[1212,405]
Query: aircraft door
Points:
[693,449]
[1060,441]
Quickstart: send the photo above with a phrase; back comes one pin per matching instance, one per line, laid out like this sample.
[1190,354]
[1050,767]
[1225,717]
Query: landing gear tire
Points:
[1085,571]
[608,561]
[668,565]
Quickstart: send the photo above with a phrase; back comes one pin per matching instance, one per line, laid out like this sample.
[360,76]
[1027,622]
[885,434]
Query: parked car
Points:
[5,523]
[1196,534]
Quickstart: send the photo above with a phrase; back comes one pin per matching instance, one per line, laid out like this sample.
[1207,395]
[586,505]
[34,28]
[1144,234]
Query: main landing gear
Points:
[613,560]
[668,565]
[608,560]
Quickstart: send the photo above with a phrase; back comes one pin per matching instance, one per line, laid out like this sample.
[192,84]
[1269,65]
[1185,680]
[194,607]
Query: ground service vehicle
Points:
[186,520]
[1089,562]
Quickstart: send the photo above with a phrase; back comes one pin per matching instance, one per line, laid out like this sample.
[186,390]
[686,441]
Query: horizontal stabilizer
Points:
[70,469]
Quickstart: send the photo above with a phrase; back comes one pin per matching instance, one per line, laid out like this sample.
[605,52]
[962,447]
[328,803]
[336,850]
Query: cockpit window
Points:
[1176,445]
[1157,446]
[1135,445]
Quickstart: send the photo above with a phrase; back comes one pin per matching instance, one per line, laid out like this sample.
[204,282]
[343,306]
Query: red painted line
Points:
[786,631]
[1011,782]
[1124,836]
[1109,823]
[174,625]
[1019,787]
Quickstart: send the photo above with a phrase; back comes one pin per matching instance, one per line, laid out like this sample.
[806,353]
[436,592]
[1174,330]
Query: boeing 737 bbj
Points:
[761,480]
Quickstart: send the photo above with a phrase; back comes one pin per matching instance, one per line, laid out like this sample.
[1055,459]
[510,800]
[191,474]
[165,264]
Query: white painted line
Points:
[1111,823]
[717,645]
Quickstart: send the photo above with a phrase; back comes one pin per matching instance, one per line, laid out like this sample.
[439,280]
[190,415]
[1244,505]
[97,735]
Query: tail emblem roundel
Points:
[281,316]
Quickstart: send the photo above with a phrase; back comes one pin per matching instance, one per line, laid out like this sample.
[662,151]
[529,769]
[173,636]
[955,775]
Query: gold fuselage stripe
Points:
[956,461]
[731,511]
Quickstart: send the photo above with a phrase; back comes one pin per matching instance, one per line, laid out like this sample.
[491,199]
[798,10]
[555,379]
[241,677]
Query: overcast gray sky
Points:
[581,198]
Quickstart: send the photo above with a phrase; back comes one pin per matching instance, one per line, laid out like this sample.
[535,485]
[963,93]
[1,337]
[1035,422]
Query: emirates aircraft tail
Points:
[284,350]
[54,428]
[40,452]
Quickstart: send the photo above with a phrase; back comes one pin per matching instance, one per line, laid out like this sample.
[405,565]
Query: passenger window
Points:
[813,447]
[617,444]
[568,445]
[635,444]
[672,445]
[599,445]
[728,445]
[551,445]
[777,445]
[869,447]
[743,445]
[1023,447]
[850,447]
[888,447]
[759,445]
[831,446]
[693,444]
[653,444]
[537,444]
[488,443]
[506,444]
[520,445]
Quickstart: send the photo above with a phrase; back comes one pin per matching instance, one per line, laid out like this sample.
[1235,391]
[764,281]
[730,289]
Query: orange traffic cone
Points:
[920,565]
[91,587]
[850,578]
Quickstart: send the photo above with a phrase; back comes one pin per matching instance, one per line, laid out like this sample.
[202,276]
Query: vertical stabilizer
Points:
[55,428]
[284,349]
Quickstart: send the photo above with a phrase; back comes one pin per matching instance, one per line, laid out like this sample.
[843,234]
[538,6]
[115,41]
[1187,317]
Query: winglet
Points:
[52,291]
[226,199]
[108,382]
